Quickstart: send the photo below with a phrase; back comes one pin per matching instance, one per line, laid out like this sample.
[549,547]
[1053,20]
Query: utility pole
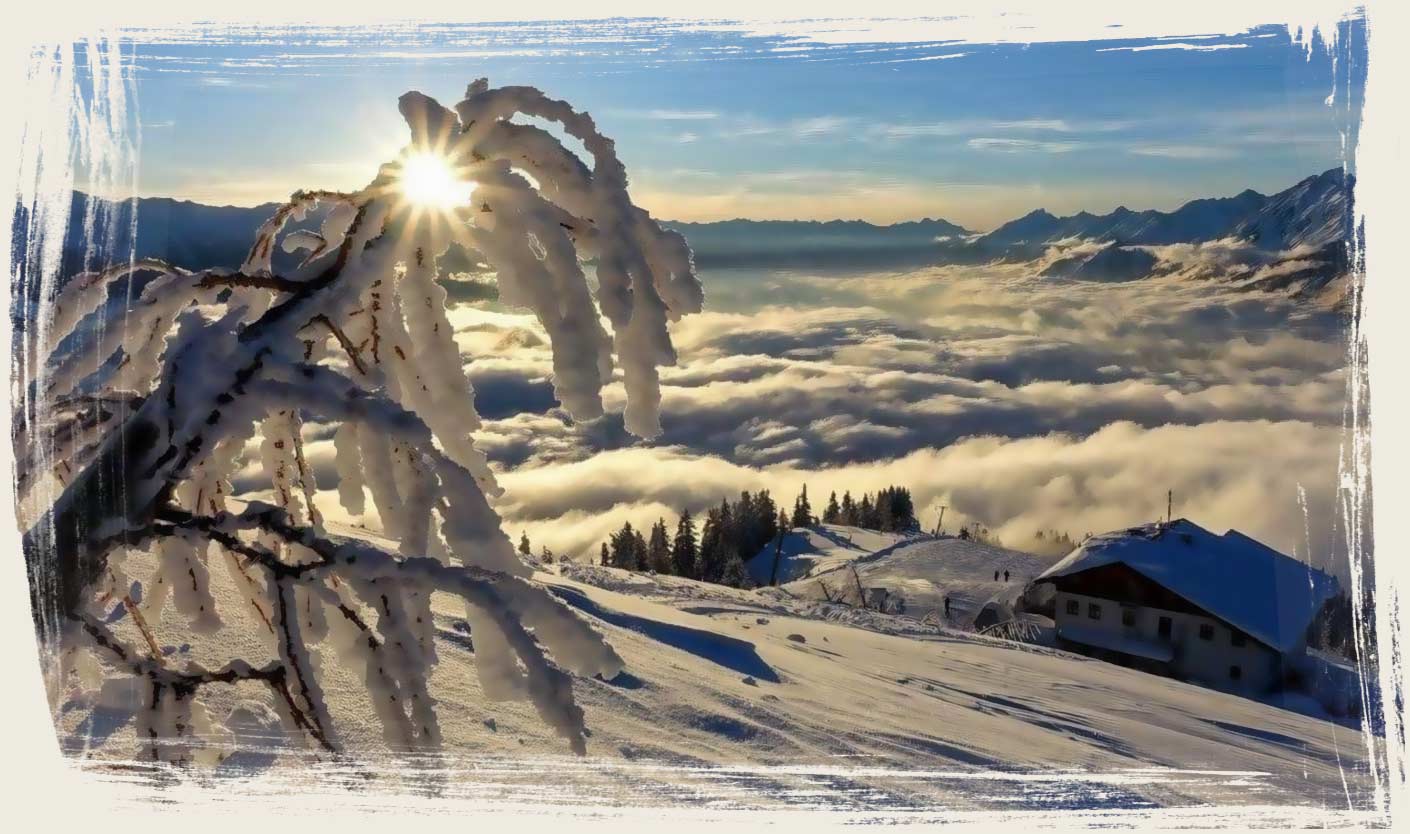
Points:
[1169,506]
[940,525]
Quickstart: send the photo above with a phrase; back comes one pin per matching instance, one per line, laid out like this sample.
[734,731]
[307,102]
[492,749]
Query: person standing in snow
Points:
[947,608]
[996,576]
[1006,576]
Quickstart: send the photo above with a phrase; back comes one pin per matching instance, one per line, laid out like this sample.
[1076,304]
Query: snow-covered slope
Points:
[810,550]
[917,572]
[720,683]
[1313,212]
[1292,243]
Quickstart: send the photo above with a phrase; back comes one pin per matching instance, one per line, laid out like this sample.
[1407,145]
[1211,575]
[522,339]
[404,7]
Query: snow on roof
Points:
[1270,596]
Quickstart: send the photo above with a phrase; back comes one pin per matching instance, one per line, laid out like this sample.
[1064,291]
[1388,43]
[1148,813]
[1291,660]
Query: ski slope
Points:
[735,698]
[919,570]
[821,548]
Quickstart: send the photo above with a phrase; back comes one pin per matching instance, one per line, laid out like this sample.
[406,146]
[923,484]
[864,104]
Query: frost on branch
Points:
[141,410]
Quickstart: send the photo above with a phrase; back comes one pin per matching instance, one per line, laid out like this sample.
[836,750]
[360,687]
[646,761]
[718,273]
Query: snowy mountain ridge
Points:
[1315,212]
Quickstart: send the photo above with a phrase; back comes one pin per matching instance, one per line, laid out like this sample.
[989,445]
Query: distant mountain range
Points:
[1315,212]
[187,234]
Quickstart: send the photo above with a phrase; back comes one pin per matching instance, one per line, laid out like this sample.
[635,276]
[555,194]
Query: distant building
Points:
[1175,599]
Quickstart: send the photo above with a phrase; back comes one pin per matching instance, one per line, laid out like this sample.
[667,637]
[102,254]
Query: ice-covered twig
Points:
[204,362]
[185,683]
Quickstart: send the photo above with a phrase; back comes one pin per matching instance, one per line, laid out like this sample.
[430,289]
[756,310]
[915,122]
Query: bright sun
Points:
[428,180]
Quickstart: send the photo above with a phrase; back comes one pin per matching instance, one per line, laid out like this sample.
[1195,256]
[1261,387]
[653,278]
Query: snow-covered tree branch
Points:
[140,408]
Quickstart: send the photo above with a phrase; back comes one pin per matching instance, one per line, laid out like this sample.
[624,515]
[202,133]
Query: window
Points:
[1235,673]
[1128,616]
[1094,611]
[1074,607]
[1206,631]
[1236,638]
[1163,628]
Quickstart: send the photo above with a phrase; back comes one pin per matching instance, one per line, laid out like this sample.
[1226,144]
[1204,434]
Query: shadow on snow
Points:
[729,652]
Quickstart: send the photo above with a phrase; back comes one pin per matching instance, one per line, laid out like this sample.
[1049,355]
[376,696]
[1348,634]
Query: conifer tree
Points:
[524,544]
[866,513]
[658,549]
[729,538]
[885,520]
[832,513]
[715,541]
[624,553]
[684,551]
[802,511]
[767,511]
[747,525]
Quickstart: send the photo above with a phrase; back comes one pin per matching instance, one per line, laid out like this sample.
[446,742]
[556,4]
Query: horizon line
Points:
[1344,169]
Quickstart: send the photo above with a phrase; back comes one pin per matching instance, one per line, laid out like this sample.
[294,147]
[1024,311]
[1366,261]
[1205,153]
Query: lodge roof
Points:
[1270,596]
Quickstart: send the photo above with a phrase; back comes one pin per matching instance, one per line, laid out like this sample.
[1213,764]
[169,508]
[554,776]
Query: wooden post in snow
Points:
[861,595]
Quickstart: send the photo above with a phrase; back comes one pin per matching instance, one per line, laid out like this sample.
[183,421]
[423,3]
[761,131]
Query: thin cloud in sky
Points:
[1035,125]
[801,128]
[1009,145]
[1183,151]
[670,115]
[819,125]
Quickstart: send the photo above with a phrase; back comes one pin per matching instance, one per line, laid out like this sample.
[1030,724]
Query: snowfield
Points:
[760,699]
[918,570]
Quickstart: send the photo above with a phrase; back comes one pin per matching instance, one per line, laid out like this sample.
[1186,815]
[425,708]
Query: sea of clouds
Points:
[1019,402]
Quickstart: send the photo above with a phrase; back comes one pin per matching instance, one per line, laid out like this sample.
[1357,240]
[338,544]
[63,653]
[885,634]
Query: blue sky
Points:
[715,122]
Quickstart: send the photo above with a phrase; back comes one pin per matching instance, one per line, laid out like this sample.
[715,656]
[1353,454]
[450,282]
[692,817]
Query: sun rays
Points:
[428,181]
[433,185]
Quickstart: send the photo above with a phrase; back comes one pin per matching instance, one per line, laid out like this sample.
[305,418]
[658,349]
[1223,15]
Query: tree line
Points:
[729,535]
[735,531]
[890,510]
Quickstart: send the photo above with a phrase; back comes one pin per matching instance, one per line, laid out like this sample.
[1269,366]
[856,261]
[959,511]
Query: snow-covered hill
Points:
[807,551]
[918,572]
[735,698]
